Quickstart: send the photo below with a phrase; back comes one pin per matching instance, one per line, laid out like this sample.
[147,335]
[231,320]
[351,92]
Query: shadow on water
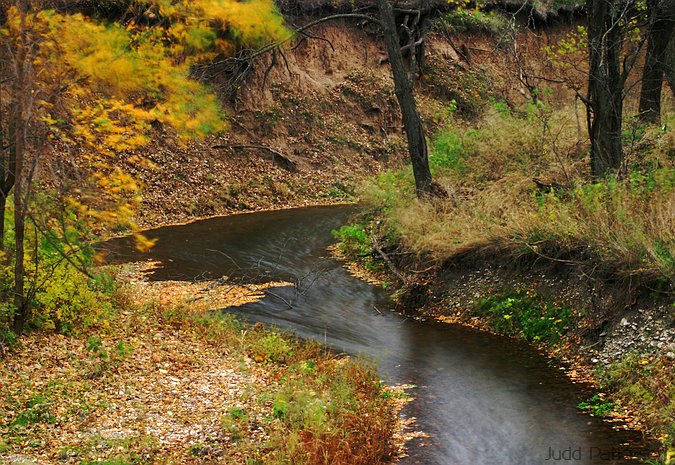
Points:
[483,399]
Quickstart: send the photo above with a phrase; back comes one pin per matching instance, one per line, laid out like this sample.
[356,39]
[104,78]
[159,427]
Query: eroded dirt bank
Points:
[619,341]
[619,314]
[312,121]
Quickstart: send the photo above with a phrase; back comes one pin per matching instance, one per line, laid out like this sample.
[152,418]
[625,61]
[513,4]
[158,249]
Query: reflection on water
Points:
[483,399]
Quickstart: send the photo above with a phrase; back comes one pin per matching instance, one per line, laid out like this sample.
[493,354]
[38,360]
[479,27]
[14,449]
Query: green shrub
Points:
[272,348]
[354,240]
[300,408]
[519,313]
[466,20]
[70,301]
[389,189]
[447,152]
[597,406]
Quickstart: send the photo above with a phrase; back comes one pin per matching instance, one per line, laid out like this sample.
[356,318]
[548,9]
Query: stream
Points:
[483,399]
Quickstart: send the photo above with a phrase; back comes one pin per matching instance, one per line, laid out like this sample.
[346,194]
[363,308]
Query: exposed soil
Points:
[616,318]
[311,122]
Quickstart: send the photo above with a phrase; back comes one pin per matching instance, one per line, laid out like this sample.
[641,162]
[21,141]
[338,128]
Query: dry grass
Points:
[489,172]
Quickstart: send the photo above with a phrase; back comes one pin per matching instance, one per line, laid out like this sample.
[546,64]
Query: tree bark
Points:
[669,64]
[7,169]
[659,35]
[20,94]
[605,86]
[417,144]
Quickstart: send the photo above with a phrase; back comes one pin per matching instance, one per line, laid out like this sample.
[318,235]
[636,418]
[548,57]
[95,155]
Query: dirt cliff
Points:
[311,120]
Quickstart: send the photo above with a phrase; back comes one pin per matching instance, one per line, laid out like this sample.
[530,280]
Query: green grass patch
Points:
[518,313]
[597,406]
[36,410]
[469,20]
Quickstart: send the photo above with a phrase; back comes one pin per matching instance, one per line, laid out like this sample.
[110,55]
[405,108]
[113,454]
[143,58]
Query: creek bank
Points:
[616,316]
[619,343]
[164,380]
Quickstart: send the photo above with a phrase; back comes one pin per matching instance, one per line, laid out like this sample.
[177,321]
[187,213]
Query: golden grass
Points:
[489,173]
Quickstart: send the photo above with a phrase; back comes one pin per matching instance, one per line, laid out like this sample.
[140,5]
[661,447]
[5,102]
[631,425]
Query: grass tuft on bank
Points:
[645,384]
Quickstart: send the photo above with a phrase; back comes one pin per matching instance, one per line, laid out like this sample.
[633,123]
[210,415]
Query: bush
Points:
[70,301]
[519,313]
[354,240]
[465,20]
[272,348]
[61,296]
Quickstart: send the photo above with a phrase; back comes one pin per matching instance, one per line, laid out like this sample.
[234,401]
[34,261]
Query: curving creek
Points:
[483,399]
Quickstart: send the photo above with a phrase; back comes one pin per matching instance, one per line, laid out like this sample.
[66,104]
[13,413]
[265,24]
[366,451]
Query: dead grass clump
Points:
[342,416]
[490,173]
[531,142]
[628,223]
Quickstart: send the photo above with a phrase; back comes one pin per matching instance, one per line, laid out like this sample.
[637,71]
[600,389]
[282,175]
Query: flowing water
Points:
[483,399]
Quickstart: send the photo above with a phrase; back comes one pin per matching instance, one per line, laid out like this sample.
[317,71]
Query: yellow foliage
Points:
[108,85]
[143,244]
[251,23]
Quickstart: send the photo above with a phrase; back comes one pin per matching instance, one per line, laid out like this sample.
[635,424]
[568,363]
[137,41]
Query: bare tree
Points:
[609,23]
[17,125]
[24,137]
[403,82]
[659,34]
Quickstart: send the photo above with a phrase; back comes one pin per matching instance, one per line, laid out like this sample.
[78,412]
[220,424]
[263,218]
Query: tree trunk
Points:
[605,86]
[7,169]
[20,304]
[669,64]
[658,36]
[19,121]
[417,144]
[3,206]
[21,316]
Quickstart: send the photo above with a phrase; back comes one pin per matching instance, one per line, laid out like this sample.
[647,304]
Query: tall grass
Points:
[490,171]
